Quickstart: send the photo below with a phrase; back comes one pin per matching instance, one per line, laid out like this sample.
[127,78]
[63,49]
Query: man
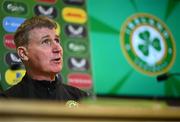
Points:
[38,46]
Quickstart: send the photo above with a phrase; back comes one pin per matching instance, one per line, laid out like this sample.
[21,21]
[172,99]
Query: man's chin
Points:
[56,71]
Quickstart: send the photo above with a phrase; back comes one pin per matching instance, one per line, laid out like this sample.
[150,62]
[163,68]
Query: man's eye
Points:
[46,41]
[57,40]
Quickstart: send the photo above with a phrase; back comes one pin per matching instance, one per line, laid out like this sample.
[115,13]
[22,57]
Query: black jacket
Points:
[34,89]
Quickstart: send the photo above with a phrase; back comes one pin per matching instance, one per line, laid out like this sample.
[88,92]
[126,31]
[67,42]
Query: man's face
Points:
[44,51]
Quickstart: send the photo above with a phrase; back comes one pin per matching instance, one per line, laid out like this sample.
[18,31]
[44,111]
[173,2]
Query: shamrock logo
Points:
[148,44]
[144,48]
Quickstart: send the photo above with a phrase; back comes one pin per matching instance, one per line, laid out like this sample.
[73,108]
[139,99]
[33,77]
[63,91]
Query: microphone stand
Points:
[164,77]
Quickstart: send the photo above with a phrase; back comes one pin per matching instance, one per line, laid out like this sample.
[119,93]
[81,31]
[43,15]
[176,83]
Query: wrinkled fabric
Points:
[29,88]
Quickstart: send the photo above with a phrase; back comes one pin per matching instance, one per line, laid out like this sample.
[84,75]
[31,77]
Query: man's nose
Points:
[56,47]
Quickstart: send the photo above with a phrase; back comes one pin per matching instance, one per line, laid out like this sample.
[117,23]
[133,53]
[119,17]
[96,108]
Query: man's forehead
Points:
[42,32]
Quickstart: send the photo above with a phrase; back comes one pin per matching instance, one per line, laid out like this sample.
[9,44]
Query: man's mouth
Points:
[57,60]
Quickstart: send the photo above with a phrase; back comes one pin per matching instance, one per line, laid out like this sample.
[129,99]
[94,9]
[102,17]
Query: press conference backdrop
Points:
[116,47]
[72,20]
[134,41]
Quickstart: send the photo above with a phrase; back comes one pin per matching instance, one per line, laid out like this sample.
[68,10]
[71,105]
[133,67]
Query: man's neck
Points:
[40,76]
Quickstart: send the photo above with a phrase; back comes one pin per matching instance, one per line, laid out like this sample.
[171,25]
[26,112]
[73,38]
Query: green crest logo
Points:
[147,44]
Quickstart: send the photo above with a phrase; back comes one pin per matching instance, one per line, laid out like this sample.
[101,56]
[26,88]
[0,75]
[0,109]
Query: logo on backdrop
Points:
[45,10]
[12,58]
[10,24]
[12,77]
[75,63]
[9,41]
[15,7]
[79,80]
[74,15]
[148,44]
[73,30]
[77,47]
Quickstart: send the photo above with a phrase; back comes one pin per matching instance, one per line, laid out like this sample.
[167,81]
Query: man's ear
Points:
[22,52]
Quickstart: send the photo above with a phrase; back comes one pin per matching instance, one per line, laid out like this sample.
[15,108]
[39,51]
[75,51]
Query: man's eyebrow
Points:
[46,36]
[57,36]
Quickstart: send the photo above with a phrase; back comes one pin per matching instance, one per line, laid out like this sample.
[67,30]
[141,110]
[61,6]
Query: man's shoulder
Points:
[15,90]
[74,91]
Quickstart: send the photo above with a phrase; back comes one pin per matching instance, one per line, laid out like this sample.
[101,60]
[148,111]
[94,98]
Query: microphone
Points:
[165,76]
